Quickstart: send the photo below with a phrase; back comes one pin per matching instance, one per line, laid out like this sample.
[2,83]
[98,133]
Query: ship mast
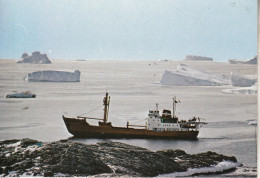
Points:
[174,106]
[106,102]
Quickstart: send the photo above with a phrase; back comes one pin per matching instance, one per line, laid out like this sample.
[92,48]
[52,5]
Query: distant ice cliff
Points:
[198,58]
[53,76]
[187,76]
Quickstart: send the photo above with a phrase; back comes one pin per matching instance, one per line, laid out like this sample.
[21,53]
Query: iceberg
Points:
[198,58]
[26,94]
[53,76]
[242,80]
[247,61]
[187,76]
[35,58]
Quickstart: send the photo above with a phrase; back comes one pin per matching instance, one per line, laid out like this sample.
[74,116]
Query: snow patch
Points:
[219,168]
[187,76]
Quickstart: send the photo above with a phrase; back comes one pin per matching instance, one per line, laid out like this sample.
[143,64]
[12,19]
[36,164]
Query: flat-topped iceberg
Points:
[198,58]
[247,61]
[26,94]
[35,58]
[53,76]
[242,80]
[187,76]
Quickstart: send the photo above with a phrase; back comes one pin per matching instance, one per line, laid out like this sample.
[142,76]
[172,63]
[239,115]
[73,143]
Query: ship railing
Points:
[89,118]
[128,125]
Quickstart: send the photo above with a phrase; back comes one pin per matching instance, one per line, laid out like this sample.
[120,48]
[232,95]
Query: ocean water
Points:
[134,89]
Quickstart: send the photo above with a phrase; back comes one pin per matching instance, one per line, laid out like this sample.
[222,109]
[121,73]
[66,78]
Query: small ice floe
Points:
[25,94]
[242,90]
[187,76]
[253,123]
[219,168]
[53,76]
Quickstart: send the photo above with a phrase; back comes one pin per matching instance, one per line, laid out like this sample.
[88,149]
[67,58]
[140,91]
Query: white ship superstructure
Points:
[168,122]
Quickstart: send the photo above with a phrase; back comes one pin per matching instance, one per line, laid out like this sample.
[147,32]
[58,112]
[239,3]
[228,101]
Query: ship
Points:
[164,126]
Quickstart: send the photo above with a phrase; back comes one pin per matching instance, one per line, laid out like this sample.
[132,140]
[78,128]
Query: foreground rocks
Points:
[28,157]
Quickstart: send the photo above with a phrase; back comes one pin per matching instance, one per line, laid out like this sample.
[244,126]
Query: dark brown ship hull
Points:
[80,128]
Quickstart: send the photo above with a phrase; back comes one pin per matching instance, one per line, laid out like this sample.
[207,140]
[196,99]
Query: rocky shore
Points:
[27,157]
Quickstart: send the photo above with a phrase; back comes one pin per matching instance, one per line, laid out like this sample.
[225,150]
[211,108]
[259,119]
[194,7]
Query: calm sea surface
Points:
[134,89]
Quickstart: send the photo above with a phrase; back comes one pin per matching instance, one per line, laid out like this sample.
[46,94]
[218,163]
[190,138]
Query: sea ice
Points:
[242,80]
[247,61]
[53,76]
[198,58]
[35,58]
[187,76]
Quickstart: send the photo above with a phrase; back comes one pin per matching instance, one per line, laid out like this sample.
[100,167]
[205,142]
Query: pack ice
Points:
[187,76]
[35,58]
[53,76]
[247,61]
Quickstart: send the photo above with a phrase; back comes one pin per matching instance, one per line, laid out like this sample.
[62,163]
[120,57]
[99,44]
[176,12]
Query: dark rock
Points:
[172,153]
[27,157]
[27,142]
[48,174]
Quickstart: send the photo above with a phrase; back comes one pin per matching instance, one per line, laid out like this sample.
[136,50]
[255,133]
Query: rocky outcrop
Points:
[35,58]
[188,161]
[247,61]
[28,157]
[53,76]
[198,58]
